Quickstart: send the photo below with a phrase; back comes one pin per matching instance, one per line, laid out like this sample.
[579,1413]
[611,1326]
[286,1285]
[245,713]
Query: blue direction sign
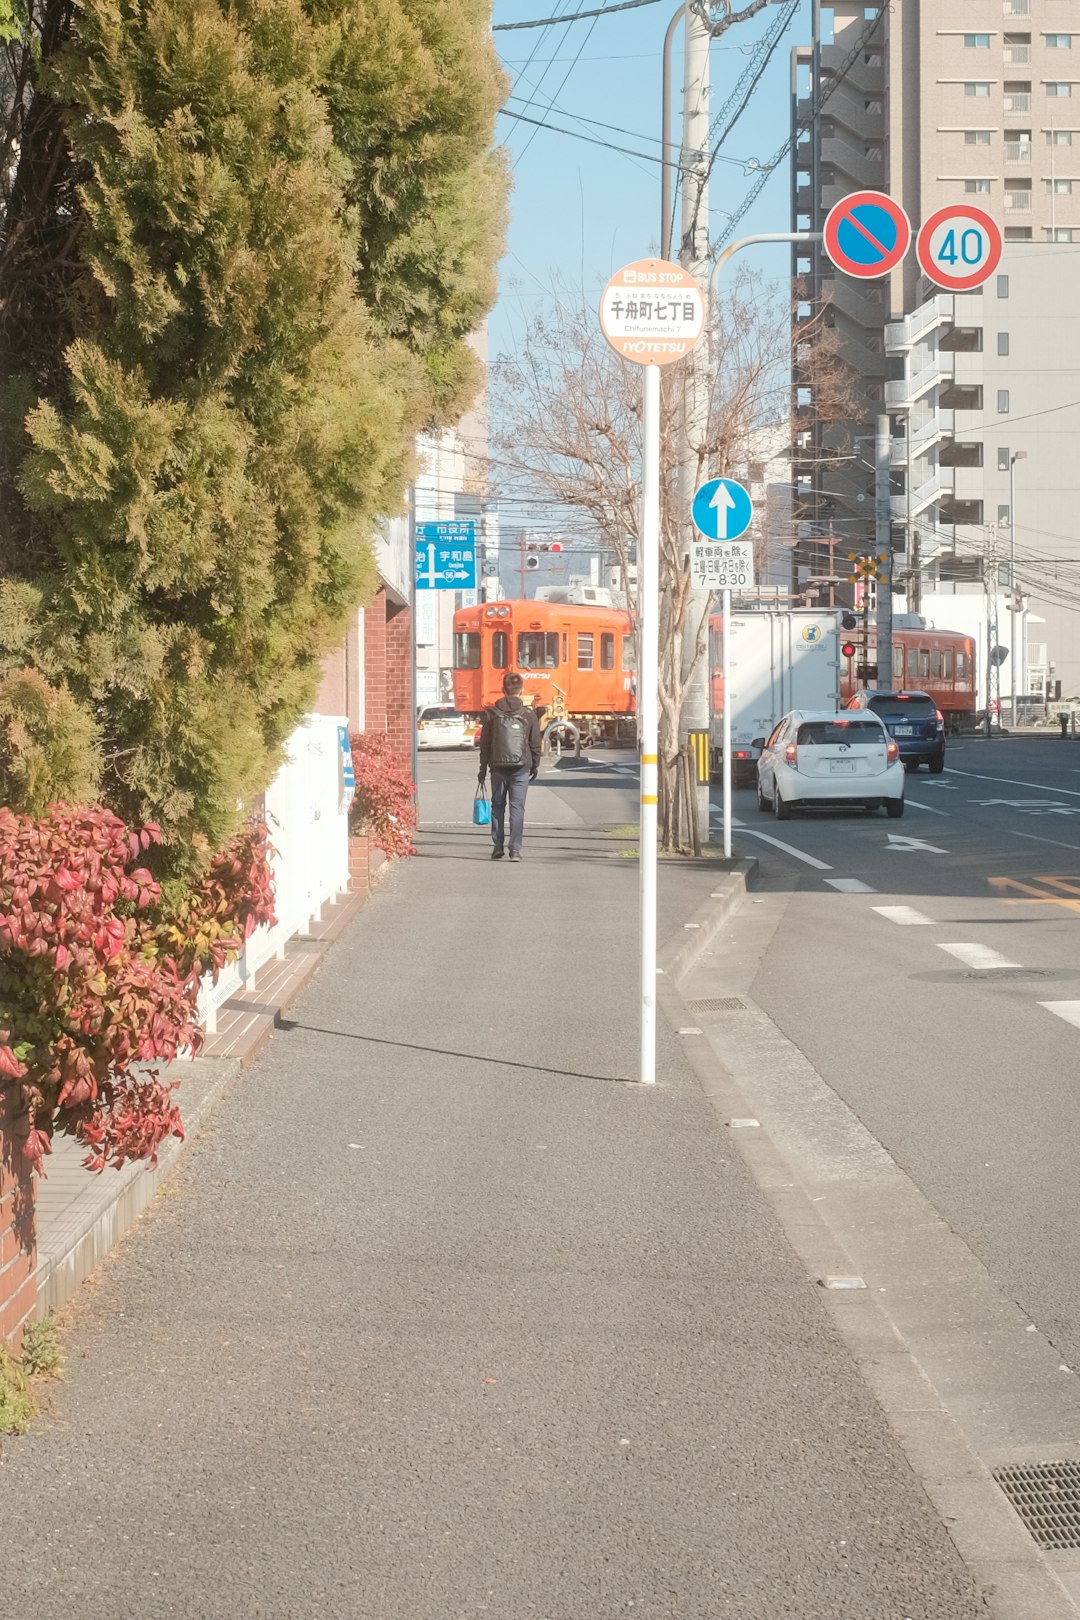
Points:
[446,556]
[866,234]
[722,509]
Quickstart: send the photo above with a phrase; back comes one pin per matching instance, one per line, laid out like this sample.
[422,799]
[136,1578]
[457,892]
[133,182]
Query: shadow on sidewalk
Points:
[289,1024]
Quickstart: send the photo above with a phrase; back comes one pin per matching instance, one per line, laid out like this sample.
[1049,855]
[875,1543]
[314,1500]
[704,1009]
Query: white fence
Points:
[307,810]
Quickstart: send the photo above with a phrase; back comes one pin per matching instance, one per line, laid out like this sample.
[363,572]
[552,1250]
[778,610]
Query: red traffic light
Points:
[848,649]
[556,545]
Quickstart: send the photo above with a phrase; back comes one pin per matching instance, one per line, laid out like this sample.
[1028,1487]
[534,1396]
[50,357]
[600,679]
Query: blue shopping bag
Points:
[481,810]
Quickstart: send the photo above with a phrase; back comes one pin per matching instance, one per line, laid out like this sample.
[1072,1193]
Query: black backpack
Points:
[509,738]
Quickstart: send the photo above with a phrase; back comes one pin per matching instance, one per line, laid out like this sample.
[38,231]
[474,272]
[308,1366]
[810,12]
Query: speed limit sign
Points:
[959,247]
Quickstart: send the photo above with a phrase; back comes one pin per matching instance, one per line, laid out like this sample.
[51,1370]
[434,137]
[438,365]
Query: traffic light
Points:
[849,622]
[848,649]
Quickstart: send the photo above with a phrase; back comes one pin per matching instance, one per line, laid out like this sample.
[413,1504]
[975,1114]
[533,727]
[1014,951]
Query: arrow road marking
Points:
[1069,1010]
[898,841]
[723,502]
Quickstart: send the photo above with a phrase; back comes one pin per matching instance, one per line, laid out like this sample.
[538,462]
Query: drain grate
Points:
[1047,1498]
[718,1004]
[1011,975]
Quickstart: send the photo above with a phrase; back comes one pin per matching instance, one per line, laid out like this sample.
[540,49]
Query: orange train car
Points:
[578,658]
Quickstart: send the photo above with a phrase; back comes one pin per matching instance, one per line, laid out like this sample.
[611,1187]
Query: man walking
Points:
[510,747]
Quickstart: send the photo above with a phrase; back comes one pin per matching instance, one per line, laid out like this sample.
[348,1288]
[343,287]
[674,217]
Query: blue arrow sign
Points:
[722,509]
[446,556]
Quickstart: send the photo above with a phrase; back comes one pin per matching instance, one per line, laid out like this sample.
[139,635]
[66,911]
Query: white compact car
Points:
[832,760]
[440,726]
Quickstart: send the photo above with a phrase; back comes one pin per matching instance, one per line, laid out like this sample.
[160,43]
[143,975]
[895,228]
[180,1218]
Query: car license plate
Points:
[837,765]
[903,731]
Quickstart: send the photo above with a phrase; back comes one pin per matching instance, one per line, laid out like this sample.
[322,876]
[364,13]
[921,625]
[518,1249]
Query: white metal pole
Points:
[1012,586]
[648,687]
[725,670]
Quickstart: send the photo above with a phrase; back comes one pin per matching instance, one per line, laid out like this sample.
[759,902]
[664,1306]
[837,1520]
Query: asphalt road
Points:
[929,969]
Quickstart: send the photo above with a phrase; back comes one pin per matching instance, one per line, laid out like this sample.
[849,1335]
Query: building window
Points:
[1003,514]
[1058,87]
[1059,137]
[1003,343]
[1003,458]
[976,42]
[978,88]
[584,649]
[1003,286]
[607,651]
[1058,42]
[1003,401]
[977,185]
[976,137]
[1062,233]
[1018,233]
[1060,188]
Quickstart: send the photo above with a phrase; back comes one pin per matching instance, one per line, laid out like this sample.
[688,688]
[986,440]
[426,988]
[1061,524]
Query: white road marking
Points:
[1069,1010]
[899,841]
[913,804]
[978,956]
[1038,840]
[789,849]
[906,916]
[1040,787]
[850,885]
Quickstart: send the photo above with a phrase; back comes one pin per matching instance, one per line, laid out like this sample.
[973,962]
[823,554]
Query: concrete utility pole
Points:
[1017,455]
[883,541]
[696,369]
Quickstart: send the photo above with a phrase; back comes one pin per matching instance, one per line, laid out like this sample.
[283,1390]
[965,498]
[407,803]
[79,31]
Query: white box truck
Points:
[780,659]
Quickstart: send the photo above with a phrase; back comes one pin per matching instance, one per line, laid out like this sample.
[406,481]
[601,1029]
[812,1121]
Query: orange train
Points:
[582,659]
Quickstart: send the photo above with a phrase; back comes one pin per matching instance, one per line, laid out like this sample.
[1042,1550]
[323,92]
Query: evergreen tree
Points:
[243,247]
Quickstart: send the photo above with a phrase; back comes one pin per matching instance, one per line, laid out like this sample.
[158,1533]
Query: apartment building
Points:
[937,103]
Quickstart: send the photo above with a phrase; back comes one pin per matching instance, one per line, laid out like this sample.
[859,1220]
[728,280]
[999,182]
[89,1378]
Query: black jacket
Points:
[509,705]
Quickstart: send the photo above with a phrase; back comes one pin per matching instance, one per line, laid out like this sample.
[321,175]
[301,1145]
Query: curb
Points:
[681,954]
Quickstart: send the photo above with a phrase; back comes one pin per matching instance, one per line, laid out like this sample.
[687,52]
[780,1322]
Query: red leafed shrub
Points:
[385,801]
[98,978]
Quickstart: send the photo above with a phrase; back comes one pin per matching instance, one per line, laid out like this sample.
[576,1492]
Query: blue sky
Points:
[579,210]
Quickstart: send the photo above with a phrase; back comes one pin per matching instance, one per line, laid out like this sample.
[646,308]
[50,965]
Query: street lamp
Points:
[1017,455]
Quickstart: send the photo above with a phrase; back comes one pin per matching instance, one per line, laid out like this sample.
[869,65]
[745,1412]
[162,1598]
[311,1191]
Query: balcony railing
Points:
[1018,151]
[1018,202]
[1017,8]
[1018,101]
[1017,53]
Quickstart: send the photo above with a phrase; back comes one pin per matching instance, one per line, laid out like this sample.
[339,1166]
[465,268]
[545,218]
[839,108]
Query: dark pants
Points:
[514,782]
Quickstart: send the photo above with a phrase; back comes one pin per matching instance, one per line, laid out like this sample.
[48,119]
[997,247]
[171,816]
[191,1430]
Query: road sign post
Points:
[722,511]
[652,313]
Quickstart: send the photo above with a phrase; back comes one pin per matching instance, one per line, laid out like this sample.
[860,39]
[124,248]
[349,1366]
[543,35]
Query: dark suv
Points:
[914,720]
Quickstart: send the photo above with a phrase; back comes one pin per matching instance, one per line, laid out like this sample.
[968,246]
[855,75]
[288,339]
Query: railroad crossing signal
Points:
[865,566]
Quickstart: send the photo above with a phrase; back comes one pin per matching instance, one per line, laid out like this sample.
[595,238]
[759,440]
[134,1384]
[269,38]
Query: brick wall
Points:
[375,664]
[399,696]
[18,1255]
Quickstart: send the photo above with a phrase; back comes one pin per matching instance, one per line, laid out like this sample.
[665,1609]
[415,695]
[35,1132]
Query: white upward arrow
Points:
[431,567]
[898,841]
[723,502]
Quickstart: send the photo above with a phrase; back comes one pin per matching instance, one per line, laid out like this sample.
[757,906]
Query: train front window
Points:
[935,664]
[961,666]
[467,649]
[898,665]
[500,650]
[607,652]
[538,649]
[585,650]
[924,663]
[912,664]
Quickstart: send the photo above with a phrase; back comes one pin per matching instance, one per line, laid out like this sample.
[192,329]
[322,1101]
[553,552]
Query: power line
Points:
[562,86]
[574,16]
[580,135]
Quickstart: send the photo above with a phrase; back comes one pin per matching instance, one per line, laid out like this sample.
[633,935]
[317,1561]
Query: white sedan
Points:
[440,726]
[831,760]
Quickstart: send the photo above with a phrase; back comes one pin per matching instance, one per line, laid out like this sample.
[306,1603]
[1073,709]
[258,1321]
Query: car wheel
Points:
[894,808]
[911,766]
[937,766]
[781,811]
[762,802]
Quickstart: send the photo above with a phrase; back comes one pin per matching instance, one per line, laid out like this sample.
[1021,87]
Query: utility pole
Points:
[883,540]
[993,676]
[1017,455]
[696,369]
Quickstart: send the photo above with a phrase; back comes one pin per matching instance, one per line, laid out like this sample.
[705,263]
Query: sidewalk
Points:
[445,1321]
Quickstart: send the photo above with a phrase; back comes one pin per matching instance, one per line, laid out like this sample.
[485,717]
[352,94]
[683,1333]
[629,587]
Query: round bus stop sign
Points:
[866,234]
[959,247]
[652,312]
